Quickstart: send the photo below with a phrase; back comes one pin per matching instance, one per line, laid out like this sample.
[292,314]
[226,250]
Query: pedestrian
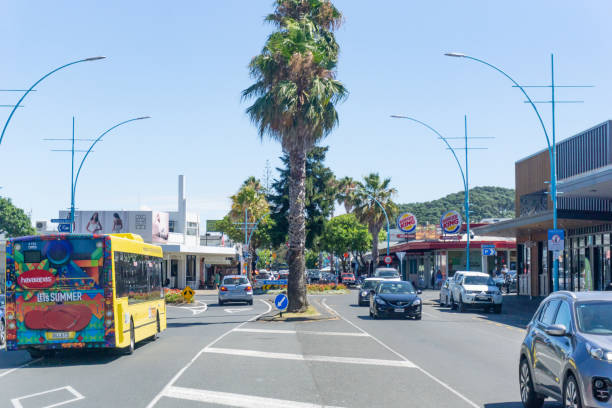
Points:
[217,280]
[438,279]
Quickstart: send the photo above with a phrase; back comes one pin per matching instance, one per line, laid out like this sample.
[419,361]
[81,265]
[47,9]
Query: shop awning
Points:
[212,254]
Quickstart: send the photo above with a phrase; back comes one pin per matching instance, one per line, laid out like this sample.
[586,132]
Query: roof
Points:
[373,279]
[472,273]
[585,296]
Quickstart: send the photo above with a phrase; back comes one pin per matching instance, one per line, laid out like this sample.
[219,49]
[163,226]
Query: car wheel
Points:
[375,316]
[571,393]
[529,397]
[2,333]
[498,309]
[220,302]
[441,302]
[417,317]
[453,306]
[250,302]
[461,306]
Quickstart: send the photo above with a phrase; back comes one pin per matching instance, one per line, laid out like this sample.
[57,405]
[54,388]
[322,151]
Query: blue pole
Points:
[553,173]
[467,195]
[36,83]
[386,217]
[72,182]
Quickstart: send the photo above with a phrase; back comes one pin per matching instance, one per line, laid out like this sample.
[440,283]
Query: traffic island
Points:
[313,313]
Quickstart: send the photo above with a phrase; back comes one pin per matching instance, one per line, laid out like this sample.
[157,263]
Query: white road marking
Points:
[302,357]
[428,374]
[77,396]
[182,370]
[235,400]
[244,309]
[21,366]
[317,333]
[193,309]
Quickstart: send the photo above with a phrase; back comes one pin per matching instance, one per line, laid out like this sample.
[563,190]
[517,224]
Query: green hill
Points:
[485,202]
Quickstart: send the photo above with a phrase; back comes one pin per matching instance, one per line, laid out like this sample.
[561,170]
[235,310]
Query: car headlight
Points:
[416,302]
[364,293]
[380,301]
[599,353]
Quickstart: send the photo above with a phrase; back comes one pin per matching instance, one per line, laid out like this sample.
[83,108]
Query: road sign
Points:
[556,240]
[188,293]
[388,259]
[281,302]
[488,250]
[63,227]
[60,220]
[400,255]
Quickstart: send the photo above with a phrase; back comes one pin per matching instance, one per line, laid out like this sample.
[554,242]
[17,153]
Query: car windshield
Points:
[263,275]
[595,318]
[369,284]
[235,281]
[396,288]
[388,273]
[347,275]
[479,280]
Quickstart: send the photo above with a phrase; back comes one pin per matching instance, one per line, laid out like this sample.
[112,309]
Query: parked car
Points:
[348,279]
[314,276]
[368,285]
[567,351]
[395,298]
[2,321]
[387,274]
[261,276]
[235,288]
[476,289]
[445,292]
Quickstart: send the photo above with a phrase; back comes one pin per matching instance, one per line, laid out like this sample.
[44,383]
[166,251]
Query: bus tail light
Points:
[223,289]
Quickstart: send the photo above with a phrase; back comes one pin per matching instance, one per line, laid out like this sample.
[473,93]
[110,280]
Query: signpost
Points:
[60,220]
[556,243]
[188,294]
[488,250]
[388,259]
[400,256]
[281,302]
[406,222]
[63,227]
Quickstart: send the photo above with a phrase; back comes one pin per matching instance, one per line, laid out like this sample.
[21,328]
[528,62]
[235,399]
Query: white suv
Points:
[475,289]
[388,274]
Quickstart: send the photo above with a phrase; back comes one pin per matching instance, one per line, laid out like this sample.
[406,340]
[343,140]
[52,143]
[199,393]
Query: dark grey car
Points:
[567,352]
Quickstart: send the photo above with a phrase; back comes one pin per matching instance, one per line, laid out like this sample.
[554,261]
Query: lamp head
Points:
[94,58]
[455,54]
[143,117]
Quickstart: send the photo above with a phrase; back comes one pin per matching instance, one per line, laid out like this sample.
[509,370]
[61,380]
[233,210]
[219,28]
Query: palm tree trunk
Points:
[296,290]
[374,249]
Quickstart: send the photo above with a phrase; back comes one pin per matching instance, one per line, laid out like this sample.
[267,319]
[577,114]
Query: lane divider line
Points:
[306,357]
[21,366]
[427,373]
[182,370]
[235,400]
[317,333]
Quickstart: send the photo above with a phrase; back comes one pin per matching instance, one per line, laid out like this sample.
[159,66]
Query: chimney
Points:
[182,203]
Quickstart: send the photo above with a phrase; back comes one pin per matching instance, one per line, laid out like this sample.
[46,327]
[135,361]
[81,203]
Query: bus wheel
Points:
[132,346]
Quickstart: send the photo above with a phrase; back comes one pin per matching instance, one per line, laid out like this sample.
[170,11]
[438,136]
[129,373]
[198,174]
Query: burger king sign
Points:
[451,222]
[407,222]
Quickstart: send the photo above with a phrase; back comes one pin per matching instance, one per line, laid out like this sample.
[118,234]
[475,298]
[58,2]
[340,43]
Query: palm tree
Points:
[296,94]
[370,213]
[346,193]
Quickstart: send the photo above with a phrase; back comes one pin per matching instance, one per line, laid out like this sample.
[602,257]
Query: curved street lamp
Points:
[75,179]
[36,83]
[464,177]
[551,144]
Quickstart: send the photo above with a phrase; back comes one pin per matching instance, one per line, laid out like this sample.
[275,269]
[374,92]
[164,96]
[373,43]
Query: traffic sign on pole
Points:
[60,220]
[488,250]
[556,240]
[63,227]
[388,259]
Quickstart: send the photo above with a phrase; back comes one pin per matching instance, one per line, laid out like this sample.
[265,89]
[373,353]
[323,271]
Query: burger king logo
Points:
[451,222]
[36,279]
[407,222]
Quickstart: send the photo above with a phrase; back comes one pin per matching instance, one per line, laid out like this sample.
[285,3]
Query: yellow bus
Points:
[82,291]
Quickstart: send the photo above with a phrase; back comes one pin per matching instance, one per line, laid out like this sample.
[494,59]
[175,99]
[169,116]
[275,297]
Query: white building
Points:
[186,261]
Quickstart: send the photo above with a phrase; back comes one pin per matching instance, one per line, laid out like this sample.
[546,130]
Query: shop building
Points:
[584,210]
[186,261]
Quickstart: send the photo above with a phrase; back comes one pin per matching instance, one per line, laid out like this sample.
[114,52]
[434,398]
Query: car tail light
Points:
[223,289]
[248,289]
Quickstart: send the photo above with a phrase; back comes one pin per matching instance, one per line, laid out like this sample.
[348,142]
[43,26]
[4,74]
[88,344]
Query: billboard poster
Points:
[161,222]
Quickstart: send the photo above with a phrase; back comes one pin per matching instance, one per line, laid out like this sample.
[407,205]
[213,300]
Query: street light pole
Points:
[76,179]
[36,83]
[464,175]
[551,146]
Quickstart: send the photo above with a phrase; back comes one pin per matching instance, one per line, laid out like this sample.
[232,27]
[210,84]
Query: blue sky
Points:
[185,64]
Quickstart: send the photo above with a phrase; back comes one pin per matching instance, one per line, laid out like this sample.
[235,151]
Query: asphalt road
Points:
[213,356]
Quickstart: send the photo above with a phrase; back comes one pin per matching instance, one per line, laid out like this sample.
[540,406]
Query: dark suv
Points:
[567,352]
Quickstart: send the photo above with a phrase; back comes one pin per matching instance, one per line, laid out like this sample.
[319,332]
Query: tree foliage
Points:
[485,202]
[13,221]
[345,233]
[320,197]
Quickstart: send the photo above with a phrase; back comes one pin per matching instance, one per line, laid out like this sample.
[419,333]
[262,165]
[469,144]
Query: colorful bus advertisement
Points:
[56,292]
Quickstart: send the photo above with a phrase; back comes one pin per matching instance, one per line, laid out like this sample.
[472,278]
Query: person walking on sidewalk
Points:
[217,280]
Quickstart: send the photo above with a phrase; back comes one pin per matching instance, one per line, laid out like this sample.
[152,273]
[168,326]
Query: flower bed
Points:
[175,296]
[325,287]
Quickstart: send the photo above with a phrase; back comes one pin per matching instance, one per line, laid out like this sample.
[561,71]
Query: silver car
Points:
[567,352]
[235,288]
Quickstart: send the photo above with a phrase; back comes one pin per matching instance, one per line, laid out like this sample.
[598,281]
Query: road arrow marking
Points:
[246,309]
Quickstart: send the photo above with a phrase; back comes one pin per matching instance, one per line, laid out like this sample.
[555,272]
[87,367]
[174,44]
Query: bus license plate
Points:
[60,335]
[399,310]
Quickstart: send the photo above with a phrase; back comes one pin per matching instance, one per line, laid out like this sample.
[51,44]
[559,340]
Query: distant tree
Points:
[345,234]
[312,257]
[346,193]
[369,212]
[13,221]
[320,198]
[485,202]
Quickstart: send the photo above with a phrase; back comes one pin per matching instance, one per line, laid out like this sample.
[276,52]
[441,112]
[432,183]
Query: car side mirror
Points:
[556,330]
[419,291]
